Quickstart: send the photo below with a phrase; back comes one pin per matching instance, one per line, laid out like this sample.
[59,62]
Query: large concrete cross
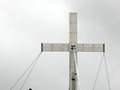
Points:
[72,47]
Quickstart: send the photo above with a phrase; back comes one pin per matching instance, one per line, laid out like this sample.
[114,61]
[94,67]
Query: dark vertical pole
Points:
[30,88]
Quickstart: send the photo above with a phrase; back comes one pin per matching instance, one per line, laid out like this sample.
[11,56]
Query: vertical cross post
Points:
[72,46]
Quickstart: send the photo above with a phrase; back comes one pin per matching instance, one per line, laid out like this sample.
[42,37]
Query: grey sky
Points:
[24,24]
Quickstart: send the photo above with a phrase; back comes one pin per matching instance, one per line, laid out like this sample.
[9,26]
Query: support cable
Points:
[103,58]
[98,72]
[30,72]
[76,66]
[34,62]
[107,72]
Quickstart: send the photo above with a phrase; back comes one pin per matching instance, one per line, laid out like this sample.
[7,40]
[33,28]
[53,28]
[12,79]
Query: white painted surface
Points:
[72,46]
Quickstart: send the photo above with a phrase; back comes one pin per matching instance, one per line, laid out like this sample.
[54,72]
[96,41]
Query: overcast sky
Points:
[24,24]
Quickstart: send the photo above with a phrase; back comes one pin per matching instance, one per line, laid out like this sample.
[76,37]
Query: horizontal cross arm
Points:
[91,47]
[57,47]
[50,47]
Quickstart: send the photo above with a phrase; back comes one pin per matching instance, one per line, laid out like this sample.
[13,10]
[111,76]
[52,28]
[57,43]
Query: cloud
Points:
[25,24]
